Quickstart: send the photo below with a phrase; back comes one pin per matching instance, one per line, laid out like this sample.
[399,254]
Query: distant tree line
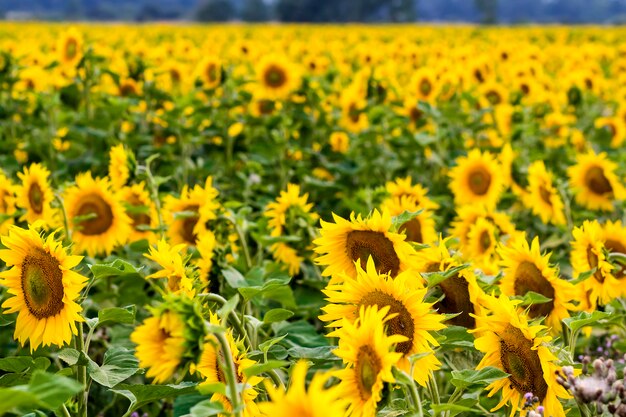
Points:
[316,11]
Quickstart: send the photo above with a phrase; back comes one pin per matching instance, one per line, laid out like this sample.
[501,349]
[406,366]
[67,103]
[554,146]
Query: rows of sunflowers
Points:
[312,221]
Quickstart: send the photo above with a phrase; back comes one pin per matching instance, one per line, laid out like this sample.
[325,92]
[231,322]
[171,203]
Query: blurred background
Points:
[476,11]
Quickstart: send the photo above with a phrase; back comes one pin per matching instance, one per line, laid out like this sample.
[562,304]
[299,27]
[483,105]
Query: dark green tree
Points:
[255,11]
[215,11]
[488,10]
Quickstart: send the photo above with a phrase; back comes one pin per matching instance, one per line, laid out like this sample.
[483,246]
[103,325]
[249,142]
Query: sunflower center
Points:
[545,195]
[71,48]
[425,87]
[479,181]
[127,89]
[413,230]
[401,324]
[416,114]
[275,76]
[529,278]
[353,113]
[485,240]
[522,363]
[189,223]
[597,182]
[98,213]
[592,259]
[42,284]
[367,368]
[266,106]
[175,75]
[493,97]
[457,300]
[361,244]
[138,219]
[211,72]
[35,198]
[615,246]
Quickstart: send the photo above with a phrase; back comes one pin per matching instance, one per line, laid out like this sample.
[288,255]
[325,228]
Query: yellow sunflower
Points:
[526,269]
[468,216]
[209,71]
[277,77]
[344,242]
[206,244]
[414,319]
[519,349]
[7,204]
[210,369]
[353,114]
[594,182]
[160,344]
[421,228]
[35,195]
[424,85]
[316,401]
[542,197]
[96,216]
[615,127]
[482,240]
[188,214]
[403,187]
[614,236]
[142,212]
[119,171]
[477,179]
[42,286]
[368,353]
[170,259]
[588,253]
[70,47]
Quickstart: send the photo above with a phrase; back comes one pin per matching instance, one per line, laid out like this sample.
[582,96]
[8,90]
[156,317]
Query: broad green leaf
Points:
[141,394]
[404,217]
[454,337]
[531,298]
[434,278]
[259,368]
[322,353]
[117,268]
[584,318]
[277,314]
[53,390]
[467,377]
[124,315]
[207,408]
[119,364]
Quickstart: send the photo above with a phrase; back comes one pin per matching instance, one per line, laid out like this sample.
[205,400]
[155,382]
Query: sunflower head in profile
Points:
[542,197]
[35,195]
[211,369]
[404,296]
[173,268]
[369,355]
[346,241]
[187,215]
[277,77]
[209,71]
[42,287]
[477,180]
[142,212]
[520,349]
[526,269]
[589,253]
[316,401]
[96,216]
[7,203]
[420,228]
[594,182]
[70,47]
[461,292]
[121,161]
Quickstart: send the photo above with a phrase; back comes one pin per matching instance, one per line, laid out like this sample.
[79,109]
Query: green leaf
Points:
[207,408]
[584,318]
[454,337]
[124,315]
[119,364]
[234,278]
[434,278]
[73,357]
[259,368]
[404,217]
[531,298]
[322,353]
[45,390]
[141,394]
[117,268]
[584,276]
[16,363]
[461,406]
[467,377]
[228,307]
[277,314]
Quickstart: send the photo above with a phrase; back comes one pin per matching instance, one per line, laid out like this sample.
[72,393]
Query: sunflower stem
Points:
[81,374]
[233,316]
[242,238]
[229,371]
[66,224]
[415,396]
[276,379]
[64,411]
[433,391]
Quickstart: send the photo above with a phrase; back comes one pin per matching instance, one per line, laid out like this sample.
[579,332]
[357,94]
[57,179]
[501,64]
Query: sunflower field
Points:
[308,221]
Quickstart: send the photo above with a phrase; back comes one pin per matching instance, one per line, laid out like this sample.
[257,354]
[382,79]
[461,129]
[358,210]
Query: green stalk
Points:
[81,374]
[229,373]
[233,316]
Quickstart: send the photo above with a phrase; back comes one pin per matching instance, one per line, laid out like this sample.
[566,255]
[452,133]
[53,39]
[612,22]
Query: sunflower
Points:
[339,142]
[615,127]
[160,344]
[492,94]
[70,47]
[404,297]
[594,182]
[206,244]
[141,210]
[35,195]
[317,401]
[482,240]
[209,71]
[277,77]
[424,85]
[468,216]
[210,369]
[461,292]
[526,269]
[344,242]
[403,187]
[542,197]
[519,349]
[476,180]
[44,289]
[353,111]
[119,171]
[369,355]
[188,214]
[421,228]
[96,215]
[614,236]
[7,204]
[588,253]
[169,258]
